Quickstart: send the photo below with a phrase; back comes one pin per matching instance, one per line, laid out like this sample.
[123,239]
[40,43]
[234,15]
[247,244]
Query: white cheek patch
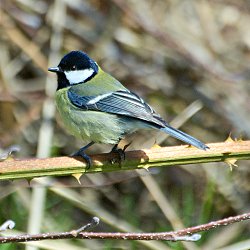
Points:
[78,76]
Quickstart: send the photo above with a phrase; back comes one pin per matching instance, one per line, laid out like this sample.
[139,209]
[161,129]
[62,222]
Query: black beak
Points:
[54,69]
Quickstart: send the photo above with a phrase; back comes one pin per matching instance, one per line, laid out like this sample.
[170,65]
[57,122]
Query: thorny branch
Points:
[187,234]
[228,152]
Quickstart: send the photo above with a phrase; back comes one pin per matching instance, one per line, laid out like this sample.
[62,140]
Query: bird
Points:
[95,106]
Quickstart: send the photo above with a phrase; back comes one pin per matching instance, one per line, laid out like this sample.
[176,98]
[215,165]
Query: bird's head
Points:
[74,68]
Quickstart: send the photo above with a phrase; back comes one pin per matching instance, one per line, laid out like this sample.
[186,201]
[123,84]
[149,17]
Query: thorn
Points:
[146,167]
[231,163]
[29,180]
[77,176]
[229,138]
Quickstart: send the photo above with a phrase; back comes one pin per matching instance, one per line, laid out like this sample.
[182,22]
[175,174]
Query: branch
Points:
[187,234]
[228,152]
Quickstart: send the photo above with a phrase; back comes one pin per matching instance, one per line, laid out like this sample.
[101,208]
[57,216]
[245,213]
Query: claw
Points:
[126,146]
[81,153]
[85,157]
[120,152]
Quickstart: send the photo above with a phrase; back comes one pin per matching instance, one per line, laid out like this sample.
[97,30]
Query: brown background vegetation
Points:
[188,59]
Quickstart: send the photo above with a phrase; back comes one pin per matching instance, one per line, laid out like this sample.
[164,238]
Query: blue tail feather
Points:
[184,137]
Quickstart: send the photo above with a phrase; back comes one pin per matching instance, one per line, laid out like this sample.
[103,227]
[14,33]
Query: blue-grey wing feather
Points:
[120,103]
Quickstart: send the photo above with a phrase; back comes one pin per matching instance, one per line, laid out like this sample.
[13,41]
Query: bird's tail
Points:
[184,137]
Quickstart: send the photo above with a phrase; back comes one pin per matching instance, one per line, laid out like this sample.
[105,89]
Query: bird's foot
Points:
[87,158]
[120,152]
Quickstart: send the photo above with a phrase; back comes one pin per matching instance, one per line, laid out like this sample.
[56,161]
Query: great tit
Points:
[95,106]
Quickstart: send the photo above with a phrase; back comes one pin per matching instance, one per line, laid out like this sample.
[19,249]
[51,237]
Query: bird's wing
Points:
[121,102]
[126,103]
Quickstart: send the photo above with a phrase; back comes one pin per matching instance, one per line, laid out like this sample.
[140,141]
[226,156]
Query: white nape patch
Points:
[98,98]
[78,76]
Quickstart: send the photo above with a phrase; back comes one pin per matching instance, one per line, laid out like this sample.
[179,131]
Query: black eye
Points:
[73,67]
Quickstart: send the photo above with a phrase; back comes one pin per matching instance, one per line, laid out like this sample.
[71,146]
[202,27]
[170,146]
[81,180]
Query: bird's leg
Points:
[120,152]
[81,153]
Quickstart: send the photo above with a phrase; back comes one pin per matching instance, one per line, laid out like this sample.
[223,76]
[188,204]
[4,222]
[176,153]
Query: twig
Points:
[95,221]
[228,152]
[187,234]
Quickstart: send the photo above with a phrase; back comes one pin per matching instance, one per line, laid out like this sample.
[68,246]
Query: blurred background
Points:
[188,59]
